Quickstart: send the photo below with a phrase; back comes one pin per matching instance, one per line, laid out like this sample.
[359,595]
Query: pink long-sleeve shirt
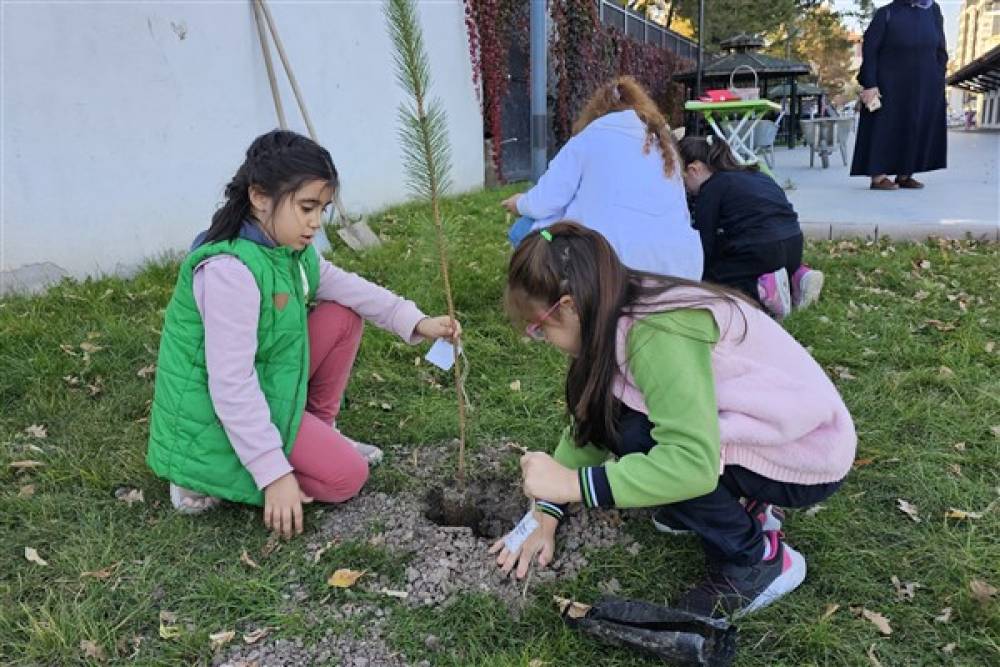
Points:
[229,303]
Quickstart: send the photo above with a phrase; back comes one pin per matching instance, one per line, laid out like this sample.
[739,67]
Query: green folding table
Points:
[734,122]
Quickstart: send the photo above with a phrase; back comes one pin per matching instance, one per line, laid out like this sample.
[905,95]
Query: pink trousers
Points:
[327,466]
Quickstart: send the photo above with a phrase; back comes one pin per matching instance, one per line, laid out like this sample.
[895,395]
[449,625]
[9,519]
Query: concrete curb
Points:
[920,231]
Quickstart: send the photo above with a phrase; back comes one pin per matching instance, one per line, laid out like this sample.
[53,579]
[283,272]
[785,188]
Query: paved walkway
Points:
[963,199]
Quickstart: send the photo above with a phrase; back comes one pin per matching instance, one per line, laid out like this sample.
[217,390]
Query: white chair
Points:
[764,134]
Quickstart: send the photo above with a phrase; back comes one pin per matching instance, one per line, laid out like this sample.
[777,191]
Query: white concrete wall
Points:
[122,122]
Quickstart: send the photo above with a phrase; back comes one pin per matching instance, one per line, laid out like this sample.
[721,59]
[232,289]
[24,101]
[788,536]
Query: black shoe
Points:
[736,590]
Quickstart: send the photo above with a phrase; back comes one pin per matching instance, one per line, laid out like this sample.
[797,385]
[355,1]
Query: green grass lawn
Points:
[910,333]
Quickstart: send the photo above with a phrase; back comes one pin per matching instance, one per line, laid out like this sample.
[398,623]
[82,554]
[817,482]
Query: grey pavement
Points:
[963,199]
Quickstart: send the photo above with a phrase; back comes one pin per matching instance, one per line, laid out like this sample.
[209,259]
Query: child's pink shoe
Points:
[807,283]
[774,293]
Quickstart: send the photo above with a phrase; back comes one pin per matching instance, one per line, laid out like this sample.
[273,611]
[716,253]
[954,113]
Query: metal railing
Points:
[638,27]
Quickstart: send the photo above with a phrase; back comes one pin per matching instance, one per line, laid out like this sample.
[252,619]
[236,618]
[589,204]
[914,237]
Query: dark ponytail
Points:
[279,163]
[712,152]
[581,263]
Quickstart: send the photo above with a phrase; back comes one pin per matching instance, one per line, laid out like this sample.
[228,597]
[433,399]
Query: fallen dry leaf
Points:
[37,431]
[844,373]
[92,650]
[25,465]
[872,657]
[90,348]
[989,347]
[401,595]
[995,430]
[954,470]
[246,560]
[905,591]
[878,620]
[71,380]
[982,591]
[860,463]
[814,510]
[962,514]
[272,544]
[571,608]
[129,495]
[256,635]
[829,611]
[146,371]
[322,550]
[344,578]
[949,648]
[908,509]
[959,446]
[26,491]
[168,629]
[924,264]
[32,556]
[941,326]
[220,639]
[104,573]
[537,662]
[944,616]
[921,295]
[385,406]
[515,385]
[946,372]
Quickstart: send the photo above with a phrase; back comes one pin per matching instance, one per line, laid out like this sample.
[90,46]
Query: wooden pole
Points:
[288,69]
[282,123]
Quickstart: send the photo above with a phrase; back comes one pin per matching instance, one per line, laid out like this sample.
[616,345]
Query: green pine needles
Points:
[423,135]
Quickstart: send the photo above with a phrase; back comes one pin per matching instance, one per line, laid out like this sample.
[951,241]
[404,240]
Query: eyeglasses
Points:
[534,330]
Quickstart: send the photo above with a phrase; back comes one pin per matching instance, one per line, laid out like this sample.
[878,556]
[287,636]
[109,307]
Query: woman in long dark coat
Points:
[904,58]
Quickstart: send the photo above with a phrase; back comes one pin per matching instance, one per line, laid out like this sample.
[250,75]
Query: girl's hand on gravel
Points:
[283,501]
[541,542]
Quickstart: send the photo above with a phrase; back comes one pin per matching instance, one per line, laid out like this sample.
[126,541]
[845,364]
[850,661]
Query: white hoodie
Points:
[602,179]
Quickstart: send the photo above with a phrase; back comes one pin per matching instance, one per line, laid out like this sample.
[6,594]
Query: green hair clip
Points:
[546,235]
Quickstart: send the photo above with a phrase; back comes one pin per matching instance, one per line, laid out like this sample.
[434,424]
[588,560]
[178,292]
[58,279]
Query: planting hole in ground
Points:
[490,509]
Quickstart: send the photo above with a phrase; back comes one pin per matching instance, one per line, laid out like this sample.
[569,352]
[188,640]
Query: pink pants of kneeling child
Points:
[327,466]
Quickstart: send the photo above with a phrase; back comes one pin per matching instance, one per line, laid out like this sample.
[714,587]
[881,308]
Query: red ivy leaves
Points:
[584,53]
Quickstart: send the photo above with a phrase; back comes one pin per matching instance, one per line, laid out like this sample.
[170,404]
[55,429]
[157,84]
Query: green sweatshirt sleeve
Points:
[569,454]
[670,357]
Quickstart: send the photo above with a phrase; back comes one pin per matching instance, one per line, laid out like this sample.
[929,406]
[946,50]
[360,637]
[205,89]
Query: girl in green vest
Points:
[258,343]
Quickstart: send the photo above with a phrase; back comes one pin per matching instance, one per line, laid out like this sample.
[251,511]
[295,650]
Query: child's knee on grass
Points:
[339,481]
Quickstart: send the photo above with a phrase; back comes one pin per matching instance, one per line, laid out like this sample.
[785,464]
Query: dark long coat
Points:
[904,55]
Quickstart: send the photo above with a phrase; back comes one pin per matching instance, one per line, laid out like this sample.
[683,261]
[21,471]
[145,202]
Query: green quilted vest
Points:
[187,444]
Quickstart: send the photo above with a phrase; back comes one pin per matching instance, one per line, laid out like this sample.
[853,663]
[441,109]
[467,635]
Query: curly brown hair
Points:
[621,94]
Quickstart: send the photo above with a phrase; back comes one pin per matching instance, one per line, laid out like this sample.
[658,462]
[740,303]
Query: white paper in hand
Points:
[525,527]
[442,354]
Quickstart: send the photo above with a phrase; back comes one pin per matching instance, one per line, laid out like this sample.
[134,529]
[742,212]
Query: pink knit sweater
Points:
[779,414]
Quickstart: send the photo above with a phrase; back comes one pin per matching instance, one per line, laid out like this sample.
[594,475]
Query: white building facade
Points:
[122,122]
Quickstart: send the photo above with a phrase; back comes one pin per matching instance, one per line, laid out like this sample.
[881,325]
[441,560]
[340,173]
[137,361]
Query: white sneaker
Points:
[371,453]
[186,501]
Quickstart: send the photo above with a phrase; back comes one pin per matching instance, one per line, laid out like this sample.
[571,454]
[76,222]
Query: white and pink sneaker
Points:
[807,284]
[775,294]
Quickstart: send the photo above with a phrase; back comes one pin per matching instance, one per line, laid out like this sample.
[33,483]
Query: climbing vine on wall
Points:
[583,53]
[491,25]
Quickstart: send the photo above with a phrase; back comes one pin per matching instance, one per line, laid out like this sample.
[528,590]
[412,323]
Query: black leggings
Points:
[739,268]
[727,531]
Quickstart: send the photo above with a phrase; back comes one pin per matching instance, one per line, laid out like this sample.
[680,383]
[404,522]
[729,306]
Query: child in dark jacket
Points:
[750,233]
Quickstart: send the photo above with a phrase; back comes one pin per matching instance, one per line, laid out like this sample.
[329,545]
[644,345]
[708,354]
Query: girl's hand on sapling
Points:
[439,327]
[545,478]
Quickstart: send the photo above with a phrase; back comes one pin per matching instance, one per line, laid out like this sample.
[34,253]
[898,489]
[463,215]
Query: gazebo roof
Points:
[801,90]
[980,75]
[744,50]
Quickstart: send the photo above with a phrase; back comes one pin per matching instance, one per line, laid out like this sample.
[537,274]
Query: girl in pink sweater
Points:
[682,397]
[274,208]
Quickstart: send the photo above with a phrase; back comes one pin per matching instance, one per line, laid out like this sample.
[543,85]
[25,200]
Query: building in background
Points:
[124,121]
[978,36]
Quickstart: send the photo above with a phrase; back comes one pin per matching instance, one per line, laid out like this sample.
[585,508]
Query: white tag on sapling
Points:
[442,354]
[525,527]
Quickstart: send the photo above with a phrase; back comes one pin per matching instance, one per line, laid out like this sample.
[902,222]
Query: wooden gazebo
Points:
[744,50]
